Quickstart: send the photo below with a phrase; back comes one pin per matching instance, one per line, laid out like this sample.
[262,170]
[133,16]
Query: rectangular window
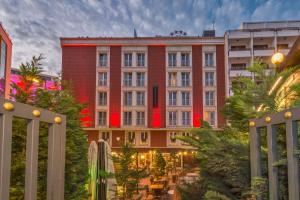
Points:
[140,79]
[127,118]
[103,60]
[131,137]
[155,97]
[172,137]
[185,98]
[140,59]
[185,79]
[127,79]
[102,99]
[102,118]
[140,98]
[128,59]
[238,66]
[185,59]
[127,98]
[172,79]
[140,118]
[105,135]
[172,59]
[172,98]
[3,61]
[209,78]
[102,79]
[209,98]
[144,137]
[209,59]
[210,117]
[238,48]
[186,118]
[172,118]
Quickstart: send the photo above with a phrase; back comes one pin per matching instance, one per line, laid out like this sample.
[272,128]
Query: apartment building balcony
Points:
[239,72]
[284,51]
[236,53]
[235,34]
[263,52]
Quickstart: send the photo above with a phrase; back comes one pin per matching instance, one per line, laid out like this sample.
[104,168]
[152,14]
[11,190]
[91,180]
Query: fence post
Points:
[255,152]
[5,154]
[293,165]
[32,143]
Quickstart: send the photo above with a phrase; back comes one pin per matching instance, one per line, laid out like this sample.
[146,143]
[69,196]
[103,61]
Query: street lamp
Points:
[277,58]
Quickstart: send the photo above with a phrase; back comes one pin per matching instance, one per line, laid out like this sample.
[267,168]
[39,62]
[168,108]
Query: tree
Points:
[159,165]
[60,101]
[127,173]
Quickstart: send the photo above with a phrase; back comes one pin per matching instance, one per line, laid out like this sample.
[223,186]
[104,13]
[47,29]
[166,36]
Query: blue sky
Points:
[36,25]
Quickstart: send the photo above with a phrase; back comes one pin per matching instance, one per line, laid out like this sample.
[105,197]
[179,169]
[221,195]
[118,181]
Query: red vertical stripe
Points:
[220,83]
[157,77]
[115,87]
[197,86]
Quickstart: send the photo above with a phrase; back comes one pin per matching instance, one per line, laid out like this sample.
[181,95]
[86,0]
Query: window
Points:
[103,60]
[172,98]
[209,59]
[260,47]
[140,118]
[172,59]
[185,97]
[127,79]
[127,98]
[102,101]
[209,78]
[185,134]
[210,117]
[140,79]
[140,98]
[105,135]
[131,137]
[238,66]
[172,118]
[185,59]
[144,137]
[172,137]
[128,59]
[140,59]
[3,55]
[238,47]
[186,118]
[102,79]
[209,98]
[185,79]
[155,96]
[172,79]
[282,46]
[102,118]
[127,118]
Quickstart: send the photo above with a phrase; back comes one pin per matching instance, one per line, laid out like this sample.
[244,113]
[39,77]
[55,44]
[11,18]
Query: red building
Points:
[146,90]
[5,62]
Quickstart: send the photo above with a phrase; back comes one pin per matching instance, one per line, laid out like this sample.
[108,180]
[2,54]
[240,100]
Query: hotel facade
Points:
[146,90]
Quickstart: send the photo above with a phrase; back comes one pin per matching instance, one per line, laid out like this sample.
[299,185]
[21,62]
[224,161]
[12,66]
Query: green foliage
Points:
[159,165]
[60,101]
[127,174]
[213,195]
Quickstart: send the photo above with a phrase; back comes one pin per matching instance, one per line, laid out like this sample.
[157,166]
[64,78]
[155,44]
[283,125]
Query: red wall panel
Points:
[157,77]
[115,87]
[118,134]
[79,68]
[197,85]
[220,83]
[158,139]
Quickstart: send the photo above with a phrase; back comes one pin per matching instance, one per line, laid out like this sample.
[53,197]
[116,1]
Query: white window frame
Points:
[209,78]
[127,121]
[104,62]
[172,79]
[210,98]
[140,79]
[186,118]
[172,95]
[127,79]
[209,60]
[140,118]
[172,138]
[144,134]
[185,98]
[103,121]
[185,59]
[172,60]
[140,98]
[128,95]
[101,101]
[185,79]
[128,59]
[172,118]
[140,59]
[102,79]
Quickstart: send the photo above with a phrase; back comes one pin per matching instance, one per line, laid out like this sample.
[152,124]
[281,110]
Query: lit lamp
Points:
[277,58]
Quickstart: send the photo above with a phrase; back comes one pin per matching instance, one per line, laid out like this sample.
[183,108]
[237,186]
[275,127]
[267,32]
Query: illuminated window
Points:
[209,98]
[209,78]
[210,117]
[102,118]
[209,59]
[127,98]
[140,98]
[102,80]
[140,79]
[103,60]
[140,118]
[172,118]
[185,79]
[102,98]
[186,118]
[172,98]
[185,98]
[140,59]
[128,59]
[127,79]
[172,79]
[172,59]
[185,59]
[127,118]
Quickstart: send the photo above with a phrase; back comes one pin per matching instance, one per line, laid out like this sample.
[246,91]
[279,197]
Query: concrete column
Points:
[272,158]
[293,163]
[255,152]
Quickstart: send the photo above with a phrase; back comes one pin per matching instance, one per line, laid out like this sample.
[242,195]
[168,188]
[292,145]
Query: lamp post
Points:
[277,58]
